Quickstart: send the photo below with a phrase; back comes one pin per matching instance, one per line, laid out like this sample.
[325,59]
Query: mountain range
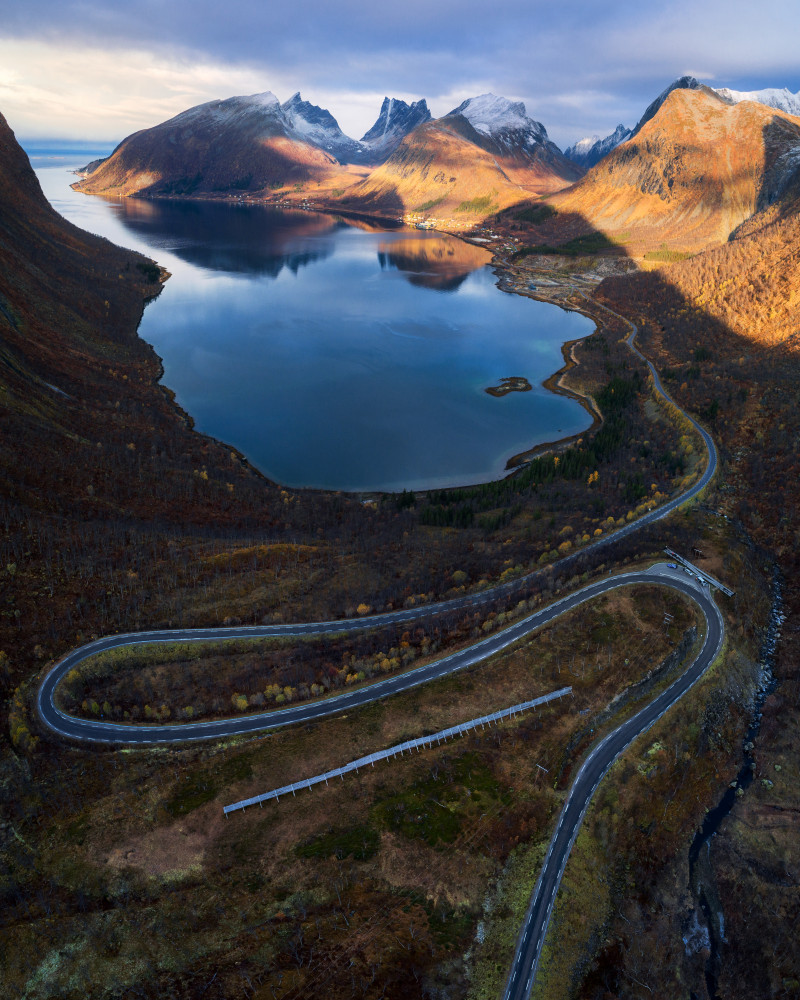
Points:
[255,143]
[482,157]
[696,165]
[290,141]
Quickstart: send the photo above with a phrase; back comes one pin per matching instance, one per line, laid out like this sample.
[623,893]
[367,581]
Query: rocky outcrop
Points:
[395,121]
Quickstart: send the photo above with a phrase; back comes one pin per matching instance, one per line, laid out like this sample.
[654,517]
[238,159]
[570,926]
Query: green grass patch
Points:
[426,206]
[605,631]
[76,831]
[536,214]
[482,203]
[433,808]
[200,787]
[358,842]
[665,255]
[192,793]
[450,928]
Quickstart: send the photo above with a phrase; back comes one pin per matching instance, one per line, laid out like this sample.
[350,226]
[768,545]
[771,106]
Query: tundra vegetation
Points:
[119,876]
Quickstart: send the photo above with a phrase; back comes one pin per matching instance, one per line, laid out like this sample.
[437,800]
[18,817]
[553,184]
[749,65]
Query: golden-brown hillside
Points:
[752,283]
[438,171]
[694,172]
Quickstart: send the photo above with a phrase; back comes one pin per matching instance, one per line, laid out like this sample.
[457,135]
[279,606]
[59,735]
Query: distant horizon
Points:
[35,144]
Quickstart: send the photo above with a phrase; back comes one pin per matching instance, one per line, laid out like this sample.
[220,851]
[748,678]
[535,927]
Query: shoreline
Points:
[553,383]
[552,291]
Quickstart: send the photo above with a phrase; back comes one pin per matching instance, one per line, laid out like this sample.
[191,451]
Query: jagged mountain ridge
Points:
[318,126]
[480,158]
[395,120]
[588,152]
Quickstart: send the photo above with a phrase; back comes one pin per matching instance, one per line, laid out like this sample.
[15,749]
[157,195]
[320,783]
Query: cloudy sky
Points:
[100,69]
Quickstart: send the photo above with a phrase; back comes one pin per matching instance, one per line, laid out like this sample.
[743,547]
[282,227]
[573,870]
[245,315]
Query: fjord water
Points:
[339,355]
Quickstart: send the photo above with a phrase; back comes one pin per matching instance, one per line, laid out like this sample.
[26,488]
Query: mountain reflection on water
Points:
[341,354]
[438,262]
[256,240]
[235,239]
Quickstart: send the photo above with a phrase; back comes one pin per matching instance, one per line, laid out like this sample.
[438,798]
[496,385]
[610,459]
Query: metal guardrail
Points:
[399,748]
[691,568]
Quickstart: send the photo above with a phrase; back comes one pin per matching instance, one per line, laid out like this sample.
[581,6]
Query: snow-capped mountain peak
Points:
[589,151]
[318,126]
[490,114]
[265,100]
[582,146]
[506,122]
[774,97]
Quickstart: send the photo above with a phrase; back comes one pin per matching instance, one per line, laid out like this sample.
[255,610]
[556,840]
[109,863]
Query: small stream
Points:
[701,875]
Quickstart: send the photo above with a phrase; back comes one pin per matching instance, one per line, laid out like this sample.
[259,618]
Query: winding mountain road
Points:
[599,760]
[98,730]
[597,763]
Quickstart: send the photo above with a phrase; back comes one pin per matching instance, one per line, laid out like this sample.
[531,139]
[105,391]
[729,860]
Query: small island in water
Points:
[514,384]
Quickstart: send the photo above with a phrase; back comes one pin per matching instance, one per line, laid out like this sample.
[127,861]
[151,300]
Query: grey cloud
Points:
[619,55]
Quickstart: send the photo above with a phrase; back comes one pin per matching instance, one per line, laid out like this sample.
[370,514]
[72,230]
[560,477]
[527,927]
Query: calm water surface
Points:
[338,355]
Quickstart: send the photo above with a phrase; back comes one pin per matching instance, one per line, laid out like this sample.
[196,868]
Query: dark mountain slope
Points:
[395,121]
[241,144]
